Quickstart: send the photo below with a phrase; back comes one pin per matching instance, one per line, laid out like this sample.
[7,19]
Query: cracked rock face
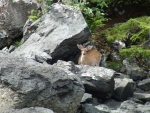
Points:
[55,35]
[27,83]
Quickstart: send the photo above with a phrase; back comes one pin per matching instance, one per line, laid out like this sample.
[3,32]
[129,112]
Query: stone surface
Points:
[144,84]
[89,108]
[86,97]
[56,34]
[142,96]
[17,14]
[98,81]
[28,110]
[130,106]
[124,88]
[27,83]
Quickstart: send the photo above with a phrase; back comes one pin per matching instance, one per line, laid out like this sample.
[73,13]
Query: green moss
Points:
[115,64]
[133,51]
[137,28]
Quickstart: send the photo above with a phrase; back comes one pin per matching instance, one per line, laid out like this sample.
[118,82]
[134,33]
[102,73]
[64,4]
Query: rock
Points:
[27,83]
[3,38]
[56,34]
[15,21]
[89,108]
[118,45]
[130,106]
[112,104]
[27,30]
[144,84]
[86,97]
[124,88]
[142,96]
[28,110]
[132,69]
[98,81]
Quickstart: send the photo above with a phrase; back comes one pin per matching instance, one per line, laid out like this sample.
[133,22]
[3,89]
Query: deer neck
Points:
[83,57]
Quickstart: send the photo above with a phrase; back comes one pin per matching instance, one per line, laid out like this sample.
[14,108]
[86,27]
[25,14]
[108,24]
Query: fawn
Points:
[89,56]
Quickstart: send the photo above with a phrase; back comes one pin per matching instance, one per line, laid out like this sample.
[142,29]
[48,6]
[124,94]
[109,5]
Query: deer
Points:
[89,56]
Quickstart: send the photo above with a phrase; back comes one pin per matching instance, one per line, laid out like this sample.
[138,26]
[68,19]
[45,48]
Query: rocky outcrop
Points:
[27,83]
[17,12]
[55,34]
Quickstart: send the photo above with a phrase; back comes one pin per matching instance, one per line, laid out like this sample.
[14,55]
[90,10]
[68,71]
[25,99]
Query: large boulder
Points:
[55,34]
[26,83]
[124,88]
[17,12]
[98,81]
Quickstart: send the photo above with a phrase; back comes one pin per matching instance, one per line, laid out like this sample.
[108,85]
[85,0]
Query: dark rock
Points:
[124,88]
[3,38]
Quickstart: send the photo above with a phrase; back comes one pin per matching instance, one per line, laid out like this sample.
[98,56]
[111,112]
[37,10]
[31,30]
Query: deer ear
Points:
[89,47]
[79,46]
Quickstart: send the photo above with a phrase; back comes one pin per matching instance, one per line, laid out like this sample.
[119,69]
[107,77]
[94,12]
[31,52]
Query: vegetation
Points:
[17,43]
[115,64]
[35,14]
[134,51]
[136,29]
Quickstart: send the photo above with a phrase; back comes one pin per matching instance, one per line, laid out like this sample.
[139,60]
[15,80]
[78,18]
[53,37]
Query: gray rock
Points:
[112,104]
[58,32]
[89,108]
[28,84]
[144,84]
[98,81]
[3,38]
[142,96]
[117,45]
[17,14]
[28,110]
[124,88]
[130,106]
[132,69]
[86,97]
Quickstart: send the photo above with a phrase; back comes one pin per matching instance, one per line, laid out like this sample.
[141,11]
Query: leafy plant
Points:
[17,43]
[93,12]
[35,14]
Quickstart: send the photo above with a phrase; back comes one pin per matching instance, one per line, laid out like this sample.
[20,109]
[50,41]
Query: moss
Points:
[137,28]
[115,64]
